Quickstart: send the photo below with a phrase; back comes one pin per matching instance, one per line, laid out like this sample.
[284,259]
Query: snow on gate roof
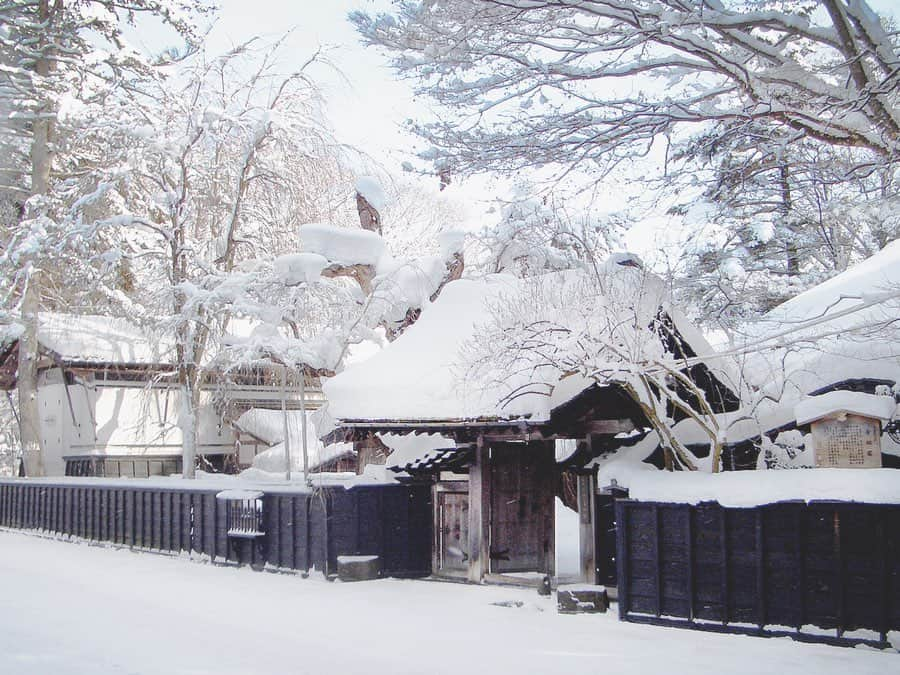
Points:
[424,375]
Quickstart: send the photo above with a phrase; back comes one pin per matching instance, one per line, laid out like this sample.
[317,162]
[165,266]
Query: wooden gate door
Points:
[453,541]
[522,479]
[605,533]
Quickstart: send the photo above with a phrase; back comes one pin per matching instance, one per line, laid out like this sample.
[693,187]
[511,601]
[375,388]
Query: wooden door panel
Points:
[453,510]
[521,507]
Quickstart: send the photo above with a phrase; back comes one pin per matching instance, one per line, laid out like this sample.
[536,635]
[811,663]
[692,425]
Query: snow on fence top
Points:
[100,339]
[342,244]
[754,488]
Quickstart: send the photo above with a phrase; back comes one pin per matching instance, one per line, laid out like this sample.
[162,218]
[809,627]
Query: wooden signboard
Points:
[851,442]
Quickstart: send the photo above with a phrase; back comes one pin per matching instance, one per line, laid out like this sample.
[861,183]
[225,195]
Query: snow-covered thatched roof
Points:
[836,334]
[846,328]
[426,375]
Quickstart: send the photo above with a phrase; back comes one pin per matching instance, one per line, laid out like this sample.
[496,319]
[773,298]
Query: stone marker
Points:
[358,567]
[582,599]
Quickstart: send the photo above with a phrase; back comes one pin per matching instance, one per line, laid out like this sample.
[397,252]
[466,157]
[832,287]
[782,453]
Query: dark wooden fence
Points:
[302,531]
[779,569]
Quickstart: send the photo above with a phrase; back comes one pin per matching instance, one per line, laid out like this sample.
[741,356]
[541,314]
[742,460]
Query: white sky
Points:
[366,104]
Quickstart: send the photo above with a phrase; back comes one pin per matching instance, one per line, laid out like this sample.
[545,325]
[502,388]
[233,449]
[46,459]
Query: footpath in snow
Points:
[77,609]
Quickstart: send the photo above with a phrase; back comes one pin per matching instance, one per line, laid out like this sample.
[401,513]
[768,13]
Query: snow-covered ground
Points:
[75,609]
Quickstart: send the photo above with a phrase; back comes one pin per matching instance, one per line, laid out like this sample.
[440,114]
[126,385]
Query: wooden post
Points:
[479,513]
[284,422]
[587,522]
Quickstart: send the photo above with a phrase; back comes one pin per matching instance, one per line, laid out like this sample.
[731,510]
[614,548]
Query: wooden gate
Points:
[453,532]
[522,490]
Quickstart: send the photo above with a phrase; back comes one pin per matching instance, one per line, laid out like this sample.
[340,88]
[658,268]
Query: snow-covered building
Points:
[827,353]
[110,405]
[828,358]
[488,439]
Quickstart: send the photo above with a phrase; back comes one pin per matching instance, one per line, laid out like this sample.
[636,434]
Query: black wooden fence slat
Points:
[95,499]
[304,530]
[839,572]
[288,530]
[689,554]
[187,522]
[220,529]
[623,560]
[881,544]
[166,521]
[760,569]
[209,526]
[800,564]
[723,552]
[29,510]
[786,564]
[657,559]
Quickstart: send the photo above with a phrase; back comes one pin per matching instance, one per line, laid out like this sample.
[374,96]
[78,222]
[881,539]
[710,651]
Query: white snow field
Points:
[73,608]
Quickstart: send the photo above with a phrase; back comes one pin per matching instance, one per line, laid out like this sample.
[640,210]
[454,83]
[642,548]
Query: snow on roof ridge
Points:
[418,376]
[100,338]
[884,264]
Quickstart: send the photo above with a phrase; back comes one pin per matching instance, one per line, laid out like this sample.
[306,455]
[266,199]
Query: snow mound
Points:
[341,244]
[841,329]
[415,377]
[266,340]
[404,284]
[297,268]
[268,426]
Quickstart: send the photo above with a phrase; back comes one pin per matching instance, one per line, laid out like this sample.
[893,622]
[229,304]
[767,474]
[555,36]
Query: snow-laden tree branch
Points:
[613,328]
[527,83]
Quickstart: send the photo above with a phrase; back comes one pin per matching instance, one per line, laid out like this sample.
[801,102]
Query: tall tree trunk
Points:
[790,231]
[29,413]
[190,401]
[41,162]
